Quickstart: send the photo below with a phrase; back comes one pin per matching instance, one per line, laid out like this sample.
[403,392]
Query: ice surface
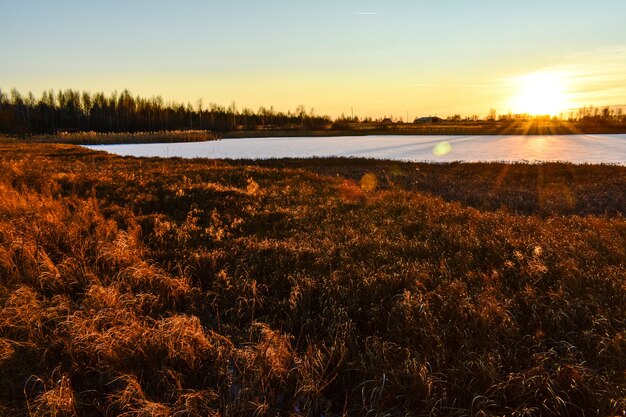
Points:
[570,148]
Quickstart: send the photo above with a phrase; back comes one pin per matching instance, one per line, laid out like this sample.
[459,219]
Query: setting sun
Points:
[540,93]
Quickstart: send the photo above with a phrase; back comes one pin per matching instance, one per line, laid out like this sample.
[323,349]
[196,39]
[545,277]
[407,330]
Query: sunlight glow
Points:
[442,149]
[541,93]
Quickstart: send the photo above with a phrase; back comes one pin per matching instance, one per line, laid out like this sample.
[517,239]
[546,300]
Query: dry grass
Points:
[94,138]
[170,287]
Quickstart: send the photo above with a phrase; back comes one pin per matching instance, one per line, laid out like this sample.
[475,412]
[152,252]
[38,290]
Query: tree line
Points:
[72,110]
[75,111]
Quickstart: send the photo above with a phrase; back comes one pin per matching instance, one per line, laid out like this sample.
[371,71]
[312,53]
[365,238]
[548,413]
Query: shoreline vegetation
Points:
[71,116]
[93,138]
[150,286]
[530,127]
[535,126]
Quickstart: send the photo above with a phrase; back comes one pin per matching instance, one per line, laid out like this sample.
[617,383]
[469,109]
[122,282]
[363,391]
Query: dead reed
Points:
[172,287]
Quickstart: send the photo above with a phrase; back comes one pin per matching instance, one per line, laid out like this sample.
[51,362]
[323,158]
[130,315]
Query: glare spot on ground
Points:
[395,170]
[369,182]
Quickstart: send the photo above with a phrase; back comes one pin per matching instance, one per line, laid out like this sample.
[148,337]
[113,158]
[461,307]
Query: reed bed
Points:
[96,138]
[161,287]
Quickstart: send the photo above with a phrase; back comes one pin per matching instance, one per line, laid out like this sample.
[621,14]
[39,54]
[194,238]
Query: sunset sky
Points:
[380,58]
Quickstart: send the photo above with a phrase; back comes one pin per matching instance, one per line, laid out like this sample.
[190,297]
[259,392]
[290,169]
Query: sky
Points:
[373,58]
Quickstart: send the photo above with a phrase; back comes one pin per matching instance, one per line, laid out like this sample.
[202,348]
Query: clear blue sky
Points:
[378,57]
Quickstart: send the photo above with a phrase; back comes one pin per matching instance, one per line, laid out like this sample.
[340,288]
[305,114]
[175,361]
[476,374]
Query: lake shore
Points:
[442,128]
[94,138]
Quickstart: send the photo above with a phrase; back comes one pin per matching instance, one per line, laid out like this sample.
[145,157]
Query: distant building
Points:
[387,120]
[428,119]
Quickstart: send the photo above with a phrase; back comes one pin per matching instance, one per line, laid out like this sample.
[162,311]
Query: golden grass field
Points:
[93,138]
[332,287]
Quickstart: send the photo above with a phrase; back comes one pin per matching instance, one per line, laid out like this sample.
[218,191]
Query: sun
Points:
[540,93]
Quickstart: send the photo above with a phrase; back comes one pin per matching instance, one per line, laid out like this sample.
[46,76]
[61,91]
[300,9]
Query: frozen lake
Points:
[570,148]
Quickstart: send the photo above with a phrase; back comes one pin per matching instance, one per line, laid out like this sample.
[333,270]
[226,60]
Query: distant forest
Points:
[70,110]
[75,111]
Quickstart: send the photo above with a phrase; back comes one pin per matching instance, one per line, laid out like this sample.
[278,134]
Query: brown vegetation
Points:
[532,126]
[199,287]
[93,138]
[505,126]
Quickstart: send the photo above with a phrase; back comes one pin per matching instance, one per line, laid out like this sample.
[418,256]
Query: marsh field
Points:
[313,287]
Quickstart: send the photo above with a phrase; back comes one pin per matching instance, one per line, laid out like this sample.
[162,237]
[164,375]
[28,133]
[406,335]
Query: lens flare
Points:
[442,149]
[369,182]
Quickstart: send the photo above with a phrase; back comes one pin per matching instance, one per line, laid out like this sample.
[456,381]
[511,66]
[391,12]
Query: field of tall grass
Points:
[94,138]
[333,287]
